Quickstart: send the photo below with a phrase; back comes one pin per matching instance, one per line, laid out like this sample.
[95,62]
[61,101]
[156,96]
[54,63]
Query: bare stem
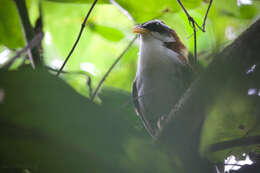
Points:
[111,68]
[78,38]
[195,41]
[206,16]
[195,24]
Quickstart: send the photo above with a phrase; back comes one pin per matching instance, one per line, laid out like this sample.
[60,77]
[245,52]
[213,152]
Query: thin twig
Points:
[111,68]
[195,41]
[188,15]
[89,84]
[122,10]
[195,24]
[206,16]
[33,43]
[246,141]
[76,42]
[202,28]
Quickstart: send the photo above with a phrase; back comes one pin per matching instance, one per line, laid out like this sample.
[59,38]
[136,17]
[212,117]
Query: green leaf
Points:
[190,4]
[46,124]
[10,28]
[144,10]
[228,8]
[62,22]
[109,33]
[80,1]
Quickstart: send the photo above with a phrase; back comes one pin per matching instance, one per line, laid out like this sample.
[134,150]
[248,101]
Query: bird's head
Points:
[156,34]
[155,29]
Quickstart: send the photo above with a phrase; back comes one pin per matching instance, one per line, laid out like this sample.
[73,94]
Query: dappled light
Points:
[251,70]
[233,163]
[244,2]
[48,39]
[4,55]
[89,67]
[230,33]
[56,63]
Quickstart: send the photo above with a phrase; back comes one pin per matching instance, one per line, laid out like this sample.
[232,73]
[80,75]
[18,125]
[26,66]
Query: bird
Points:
[163,73]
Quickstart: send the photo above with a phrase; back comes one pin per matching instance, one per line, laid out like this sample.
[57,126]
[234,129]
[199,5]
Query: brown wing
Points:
[138,110]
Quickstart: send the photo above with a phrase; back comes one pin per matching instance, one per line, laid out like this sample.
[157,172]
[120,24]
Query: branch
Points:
[251,140]
[111,68]
[33,43]
[28,32]
[78,38]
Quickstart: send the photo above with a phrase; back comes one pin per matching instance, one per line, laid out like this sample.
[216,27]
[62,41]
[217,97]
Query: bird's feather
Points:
[162,74]
[138,111]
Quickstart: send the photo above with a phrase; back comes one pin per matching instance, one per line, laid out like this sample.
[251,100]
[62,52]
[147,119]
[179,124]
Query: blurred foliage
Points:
[108,32]
[234,115]
[10,28]
[70,133]
[107,35]
[118,133]
[79,1]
